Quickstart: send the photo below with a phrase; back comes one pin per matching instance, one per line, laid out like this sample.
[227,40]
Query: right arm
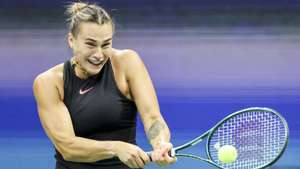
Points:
[58,126]
[56,121]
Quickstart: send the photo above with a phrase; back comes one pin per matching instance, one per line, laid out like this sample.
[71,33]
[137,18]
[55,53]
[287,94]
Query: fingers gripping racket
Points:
[259,136]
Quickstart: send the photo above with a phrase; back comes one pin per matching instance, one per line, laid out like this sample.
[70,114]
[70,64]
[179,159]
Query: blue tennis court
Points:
[22,149]
[36,152]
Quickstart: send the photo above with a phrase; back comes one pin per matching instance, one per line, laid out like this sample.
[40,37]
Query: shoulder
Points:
[51,75]
[124,54]
[52,78]
[128,59]
[130,63]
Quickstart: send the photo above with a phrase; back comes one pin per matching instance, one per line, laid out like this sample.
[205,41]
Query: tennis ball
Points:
[227,154]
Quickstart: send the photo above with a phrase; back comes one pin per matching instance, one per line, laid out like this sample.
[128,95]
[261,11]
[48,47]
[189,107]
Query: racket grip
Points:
[171,154]
[149,155]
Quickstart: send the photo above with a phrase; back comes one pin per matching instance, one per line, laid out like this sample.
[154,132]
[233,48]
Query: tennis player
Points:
[88,104]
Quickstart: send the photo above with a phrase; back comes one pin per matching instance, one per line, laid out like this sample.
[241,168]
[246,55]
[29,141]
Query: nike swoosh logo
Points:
[85,91]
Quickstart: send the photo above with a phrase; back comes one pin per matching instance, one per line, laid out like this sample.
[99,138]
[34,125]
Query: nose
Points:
[99,54]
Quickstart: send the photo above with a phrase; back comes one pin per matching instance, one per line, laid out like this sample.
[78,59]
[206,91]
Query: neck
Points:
[79,71]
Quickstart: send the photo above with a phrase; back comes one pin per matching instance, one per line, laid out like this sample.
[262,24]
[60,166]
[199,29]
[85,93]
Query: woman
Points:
[88,105]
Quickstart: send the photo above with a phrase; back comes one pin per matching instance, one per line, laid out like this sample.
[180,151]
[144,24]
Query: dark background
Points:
[207,58]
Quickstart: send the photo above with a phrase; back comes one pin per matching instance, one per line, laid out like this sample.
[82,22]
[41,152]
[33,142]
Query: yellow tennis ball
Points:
[227,154]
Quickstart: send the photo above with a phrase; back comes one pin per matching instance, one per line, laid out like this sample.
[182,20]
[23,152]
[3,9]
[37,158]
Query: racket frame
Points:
[209,133]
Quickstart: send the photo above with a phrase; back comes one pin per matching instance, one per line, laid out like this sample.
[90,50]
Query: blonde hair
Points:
[79,12]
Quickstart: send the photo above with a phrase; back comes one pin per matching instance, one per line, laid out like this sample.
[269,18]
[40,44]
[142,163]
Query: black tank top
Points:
[98,111]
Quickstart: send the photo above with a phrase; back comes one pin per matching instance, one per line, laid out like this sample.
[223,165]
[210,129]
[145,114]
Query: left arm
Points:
[144,95]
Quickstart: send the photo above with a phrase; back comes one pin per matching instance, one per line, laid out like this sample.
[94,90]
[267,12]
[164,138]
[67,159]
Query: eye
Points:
[90,44]
[105,45]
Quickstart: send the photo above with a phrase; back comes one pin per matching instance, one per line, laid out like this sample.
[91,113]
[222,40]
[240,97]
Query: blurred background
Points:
[207,59]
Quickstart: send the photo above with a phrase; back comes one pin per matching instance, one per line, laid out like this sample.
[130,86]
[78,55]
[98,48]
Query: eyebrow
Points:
[90,39]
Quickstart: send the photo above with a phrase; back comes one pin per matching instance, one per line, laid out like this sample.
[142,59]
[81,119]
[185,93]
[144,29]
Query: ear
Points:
[70,40]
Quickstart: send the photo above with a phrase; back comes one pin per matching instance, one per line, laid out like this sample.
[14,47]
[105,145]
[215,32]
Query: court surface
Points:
[37,153]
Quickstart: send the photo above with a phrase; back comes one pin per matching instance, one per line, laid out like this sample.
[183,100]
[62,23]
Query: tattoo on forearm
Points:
[155,129]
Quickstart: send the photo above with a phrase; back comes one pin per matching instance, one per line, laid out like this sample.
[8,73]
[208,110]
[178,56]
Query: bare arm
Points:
[57,123]
[145,98]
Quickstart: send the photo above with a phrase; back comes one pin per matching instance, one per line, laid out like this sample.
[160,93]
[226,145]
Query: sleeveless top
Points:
[99,111]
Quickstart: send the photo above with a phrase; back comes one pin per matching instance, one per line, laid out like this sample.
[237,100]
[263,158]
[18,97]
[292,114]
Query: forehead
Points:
[95,31]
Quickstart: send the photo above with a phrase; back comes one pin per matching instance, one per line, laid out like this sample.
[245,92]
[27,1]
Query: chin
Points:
[93,71]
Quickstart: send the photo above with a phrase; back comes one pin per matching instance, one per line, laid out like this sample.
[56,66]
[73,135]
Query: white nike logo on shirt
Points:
[85,91]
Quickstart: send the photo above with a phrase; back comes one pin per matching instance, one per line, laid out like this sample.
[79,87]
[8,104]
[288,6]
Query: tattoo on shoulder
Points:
[155,129]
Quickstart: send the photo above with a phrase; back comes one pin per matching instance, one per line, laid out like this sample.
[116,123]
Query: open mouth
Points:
[96,63]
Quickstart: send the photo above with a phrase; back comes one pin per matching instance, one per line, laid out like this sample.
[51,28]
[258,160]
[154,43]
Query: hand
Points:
[131,155]
[160,154]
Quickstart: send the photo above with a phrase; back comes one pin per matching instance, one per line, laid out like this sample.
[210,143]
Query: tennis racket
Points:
[260,136]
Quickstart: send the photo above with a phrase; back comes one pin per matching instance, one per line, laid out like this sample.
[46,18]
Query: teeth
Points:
[94,62]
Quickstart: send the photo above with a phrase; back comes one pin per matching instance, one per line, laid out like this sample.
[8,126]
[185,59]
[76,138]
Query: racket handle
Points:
[171,154]
[149,155]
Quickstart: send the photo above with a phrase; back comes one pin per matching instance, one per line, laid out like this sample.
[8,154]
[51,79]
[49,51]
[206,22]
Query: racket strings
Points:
[259,137]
